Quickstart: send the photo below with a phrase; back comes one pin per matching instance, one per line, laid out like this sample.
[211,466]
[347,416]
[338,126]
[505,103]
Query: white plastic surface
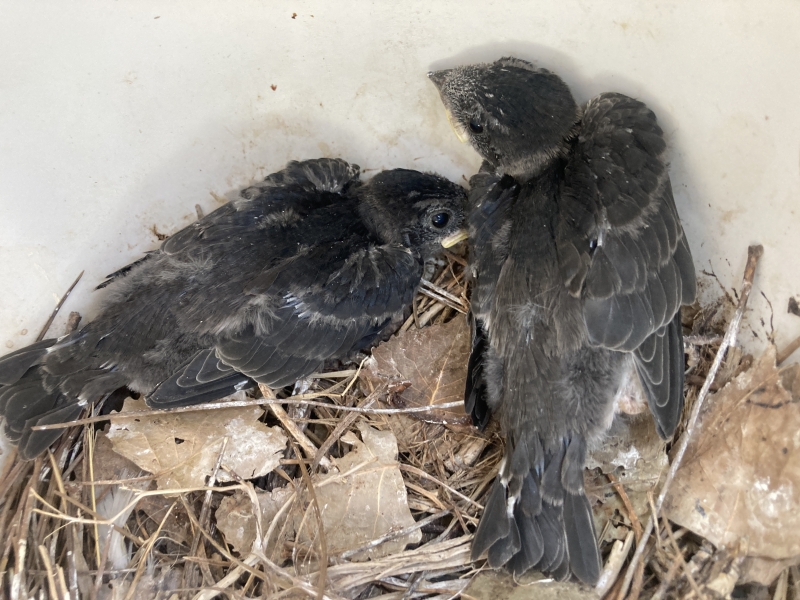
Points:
[116,118]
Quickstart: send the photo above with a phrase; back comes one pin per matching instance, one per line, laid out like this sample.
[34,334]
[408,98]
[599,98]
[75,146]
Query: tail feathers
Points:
[25,400]
[13,366]
[33,401]
[537,515]
[34,442]
[584,557]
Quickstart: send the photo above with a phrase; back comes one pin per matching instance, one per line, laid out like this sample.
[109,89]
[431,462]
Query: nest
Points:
[83,522]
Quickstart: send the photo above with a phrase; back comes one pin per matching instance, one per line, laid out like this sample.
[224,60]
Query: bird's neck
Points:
[535,166]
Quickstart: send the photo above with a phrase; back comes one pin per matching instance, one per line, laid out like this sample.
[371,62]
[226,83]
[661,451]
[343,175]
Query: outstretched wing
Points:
[622,248]
[328,302]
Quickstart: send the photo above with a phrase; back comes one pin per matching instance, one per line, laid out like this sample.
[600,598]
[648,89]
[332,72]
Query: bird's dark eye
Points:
[475,125]
[592,245]
[439,220]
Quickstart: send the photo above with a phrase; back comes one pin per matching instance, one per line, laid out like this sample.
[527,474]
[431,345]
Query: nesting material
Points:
[373,491]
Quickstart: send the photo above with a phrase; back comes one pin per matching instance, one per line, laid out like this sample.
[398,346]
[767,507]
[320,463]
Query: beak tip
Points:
[438,77]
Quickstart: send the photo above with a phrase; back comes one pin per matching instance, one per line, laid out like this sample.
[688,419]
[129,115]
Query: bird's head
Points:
[516,116]
[422,211]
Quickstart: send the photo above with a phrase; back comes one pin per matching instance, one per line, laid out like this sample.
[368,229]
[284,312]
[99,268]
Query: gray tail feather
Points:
[34,442]
[13,366]
[39,398]
[537,515]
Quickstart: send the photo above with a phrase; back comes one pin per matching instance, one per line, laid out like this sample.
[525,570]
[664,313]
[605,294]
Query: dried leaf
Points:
[111,466]
[108,466]
[181,449]
[740,477]
[366,499]
[237,521]
[636,455]
[433,360]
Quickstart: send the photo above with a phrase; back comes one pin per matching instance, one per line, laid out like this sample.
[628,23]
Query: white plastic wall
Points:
[116,118]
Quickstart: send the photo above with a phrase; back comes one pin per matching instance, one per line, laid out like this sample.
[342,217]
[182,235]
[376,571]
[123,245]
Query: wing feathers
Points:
[641,271]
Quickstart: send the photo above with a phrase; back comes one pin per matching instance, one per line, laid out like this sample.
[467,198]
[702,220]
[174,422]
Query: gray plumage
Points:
[306,266]
[580,266]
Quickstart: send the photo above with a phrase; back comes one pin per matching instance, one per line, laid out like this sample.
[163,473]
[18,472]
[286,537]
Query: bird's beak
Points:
[438,78]
[457,127]
[454,238]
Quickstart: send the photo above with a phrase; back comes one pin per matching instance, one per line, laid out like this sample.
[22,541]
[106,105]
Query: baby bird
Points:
[308,265]
[579,266]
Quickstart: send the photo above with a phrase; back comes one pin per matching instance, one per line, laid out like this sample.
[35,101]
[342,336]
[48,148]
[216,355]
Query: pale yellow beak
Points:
[458,129]
[454,238]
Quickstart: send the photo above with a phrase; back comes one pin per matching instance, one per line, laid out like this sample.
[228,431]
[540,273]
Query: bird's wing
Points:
[621,246]
[282,196]
[491,198]
[288,194]
[330,301]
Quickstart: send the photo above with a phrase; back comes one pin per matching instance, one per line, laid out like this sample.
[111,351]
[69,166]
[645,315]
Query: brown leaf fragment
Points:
[636,455]
[741,474]
[110,466]
[236,518]
[366,499]
[177,528]
[427,367]
[182,449]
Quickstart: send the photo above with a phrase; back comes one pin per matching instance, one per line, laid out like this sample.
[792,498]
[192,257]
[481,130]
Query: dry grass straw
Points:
[49,520]
[51,546]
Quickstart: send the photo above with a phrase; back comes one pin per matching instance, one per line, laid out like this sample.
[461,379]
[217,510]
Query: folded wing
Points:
[622,248]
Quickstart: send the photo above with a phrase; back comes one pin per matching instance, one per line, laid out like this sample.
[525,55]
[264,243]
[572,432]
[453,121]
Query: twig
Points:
[73,321]
[49,322]
[699,381]
[638,578]
[48,569]
[441,295]
[297,583]
[445,555]
[205,513]
[74,592]
[753,255]
[670,575]
[344,425]
[291,427]
[424,475]
[702,340]
[674,543]
[229,579]
[323,543]
[619,552]
[788,350]
[145,550]
[393,535]
[782,587]
[637,526]
[254,402]
[24,526]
